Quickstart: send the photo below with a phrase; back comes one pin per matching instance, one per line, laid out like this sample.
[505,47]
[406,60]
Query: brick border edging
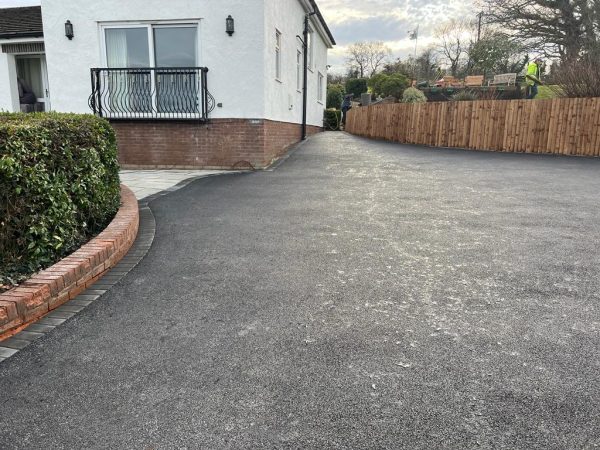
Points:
[63,281]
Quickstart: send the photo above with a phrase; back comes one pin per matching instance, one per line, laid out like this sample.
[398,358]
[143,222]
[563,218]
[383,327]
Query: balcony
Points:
[173,93]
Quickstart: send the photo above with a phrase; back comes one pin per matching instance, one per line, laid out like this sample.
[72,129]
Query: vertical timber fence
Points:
[563,126]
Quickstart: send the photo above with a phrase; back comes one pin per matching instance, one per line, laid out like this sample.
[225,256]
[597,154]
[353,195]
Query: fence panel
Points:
[565,126]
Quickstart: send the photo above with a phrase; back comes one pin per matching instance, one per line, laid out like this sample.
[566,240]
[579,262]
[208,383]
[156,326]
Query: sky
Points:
[389,21]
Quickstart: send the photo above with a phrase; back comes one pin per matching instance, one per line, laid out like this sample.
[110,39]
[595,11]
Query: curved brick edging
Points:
[60,283]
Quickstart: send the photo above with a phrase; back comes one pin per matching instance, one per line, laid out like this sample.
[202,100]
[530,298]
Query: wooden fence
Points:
[565,126]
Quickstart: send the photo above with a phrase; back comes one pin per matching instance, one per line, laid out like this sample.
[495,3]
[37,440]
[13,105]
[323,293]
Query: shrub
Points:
[394,86]
[356,86]
[375,83]
[578,78]
[332,119]
[335,96]
[464,96]
[59,185]
[413,95]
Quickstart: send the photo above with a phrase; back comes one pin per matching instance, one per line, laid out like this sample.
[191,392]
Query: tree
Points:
[356,86]
[366,58]
[454,39]
[394,86]
[335,95]
[375,83]
[558,28]
[425,66]
[495,53]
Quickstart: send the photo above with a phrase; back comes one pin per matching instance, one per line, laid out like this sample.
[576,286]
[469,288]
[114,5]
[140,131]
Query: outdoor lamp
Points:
[69,29]
[229,25]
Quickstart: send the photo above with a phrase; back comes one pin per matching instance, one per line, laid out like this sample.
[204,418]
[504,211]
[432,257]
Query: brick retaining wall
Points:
[60,283]
[218,144]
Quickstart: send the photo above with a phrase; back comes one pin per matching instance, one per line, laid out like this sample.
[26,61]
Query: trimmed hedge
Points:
[332,119]
[59,186]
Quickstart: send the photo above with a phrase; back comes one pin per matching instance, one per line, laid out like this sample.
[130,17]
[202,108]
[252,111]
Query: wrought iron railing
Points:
[174,93]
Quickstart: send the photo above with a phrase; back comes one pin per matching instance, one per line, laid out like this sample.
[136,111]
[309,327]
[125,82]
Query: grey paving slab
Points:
[15,343]
[145,183]
[364,295]
[40,328]
[53,321]
[29,335]
[6,352]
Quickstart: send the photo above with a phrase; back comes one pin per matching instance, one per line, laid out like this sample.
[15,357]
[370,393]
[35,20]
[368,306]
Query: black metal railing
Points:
[173,93]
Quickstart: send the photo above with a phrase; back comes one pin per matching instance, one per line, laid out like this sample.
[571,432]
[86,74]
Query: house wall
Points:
[254,124]
[9,93]
[283,99]
[235,75]
[220,143]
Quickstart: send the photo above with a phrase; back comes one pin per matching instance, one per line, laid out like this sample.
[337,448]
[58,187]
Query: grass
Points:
[546,92]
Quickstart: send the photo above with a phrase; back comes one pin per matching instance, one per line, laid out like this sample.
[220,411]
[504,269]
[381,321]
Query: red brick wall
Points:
[221,143]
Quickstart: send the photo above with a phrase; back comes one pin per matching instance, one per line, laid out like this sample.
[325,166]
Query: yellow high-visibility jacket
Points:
[533,74]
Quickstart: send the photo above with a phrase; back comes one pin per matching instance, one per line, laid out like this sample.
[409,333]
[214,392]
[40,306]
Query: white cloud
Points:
[14,3]
[388,21]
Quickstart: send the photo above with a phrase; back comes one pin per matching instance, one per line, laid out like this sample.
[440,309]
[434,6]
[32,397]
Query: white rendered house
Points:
[185,83]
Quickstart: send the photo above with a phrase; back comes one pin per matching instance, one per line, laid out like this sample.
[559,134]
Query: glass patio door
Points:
[170,89]
[33,78]
[177,90]
[130,90]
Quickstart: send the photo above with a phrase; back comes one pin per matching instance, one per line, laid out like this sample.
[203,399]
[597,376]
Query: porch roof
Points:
[21,22]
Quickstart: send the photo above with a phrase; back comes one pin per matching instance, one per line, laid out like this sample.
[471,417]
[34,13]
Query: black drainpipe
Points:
[305,85]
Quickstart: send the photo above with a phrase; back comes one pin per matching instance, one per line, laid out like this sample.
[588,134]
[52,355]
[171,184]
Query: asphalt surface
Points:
[363,295]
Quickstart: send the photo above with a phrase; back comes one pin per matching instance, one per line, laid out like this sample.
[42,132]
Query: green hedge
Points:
[59,186]
[332,119]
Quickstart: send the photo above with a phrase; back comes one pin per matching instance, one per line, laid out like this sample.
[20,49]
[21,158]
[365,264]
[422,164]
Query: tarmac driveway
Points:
[363,295]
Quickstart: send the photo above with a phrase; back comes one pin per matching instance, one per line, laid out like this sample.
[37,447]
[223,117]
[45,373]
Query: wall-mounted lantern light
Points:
[230,25]
[69,29]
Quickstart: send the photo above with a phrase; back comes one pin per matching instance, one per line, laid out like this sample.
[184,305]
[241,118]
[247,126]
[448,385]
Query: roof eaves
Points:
[316,9]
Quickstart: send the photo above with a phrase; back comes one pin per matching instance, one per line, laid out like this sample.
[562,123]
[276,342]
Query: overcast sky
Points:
[370,20]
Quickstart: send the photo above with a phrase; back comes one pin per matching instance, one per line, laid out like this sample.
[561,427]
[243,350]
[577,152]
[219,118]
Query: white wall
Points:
[283,99]
[9,94]
[235,75]
[241,68]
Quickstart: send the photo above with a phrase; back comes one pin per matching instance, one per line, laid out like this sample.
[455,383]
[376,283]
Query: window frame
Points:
[320,86]
[299,71]
[150,26]
[310,49]
[278,55]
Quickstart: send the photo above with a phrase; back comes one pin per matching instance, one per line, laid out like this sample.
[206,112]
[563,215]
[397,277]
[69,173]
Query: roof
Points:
[316,9]
[21,22]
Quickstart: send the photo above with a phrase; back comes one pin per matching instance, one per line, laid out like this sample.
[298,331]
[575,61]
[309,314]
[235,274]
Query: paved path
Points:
[144,183]
[363,295]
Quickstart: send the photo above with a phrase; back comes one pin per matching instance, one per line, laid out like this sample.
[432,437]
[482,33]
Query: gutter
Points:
[28,34]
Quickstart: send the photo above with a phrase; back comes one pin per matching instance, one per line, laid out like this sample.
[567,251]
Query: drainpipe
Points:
[305,82]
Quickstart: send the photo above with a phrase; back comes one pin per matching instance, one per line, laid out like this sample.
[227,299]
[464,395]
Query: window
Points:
[277,55]
[151,46]
[299,70]
[170,87]
[309,46]
[320,87]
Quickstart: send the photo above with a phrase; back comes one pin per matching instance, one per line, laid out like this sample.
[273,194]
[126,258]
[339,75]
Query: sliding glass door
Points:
[135,49]
[177,90]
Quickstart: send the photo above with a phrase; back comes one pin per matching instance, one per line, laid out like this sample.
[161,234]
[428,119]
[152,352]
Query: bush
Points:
[332,119]
[579,78]
[335,96]
[59,185]
[413,95]
[394,86]
[375,83]
[356,86]
[464,96]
